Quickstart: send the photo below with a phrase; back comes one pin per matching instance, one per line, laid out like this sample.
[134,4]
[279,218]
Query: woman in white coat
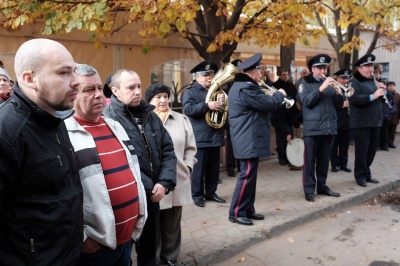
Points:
[181,132]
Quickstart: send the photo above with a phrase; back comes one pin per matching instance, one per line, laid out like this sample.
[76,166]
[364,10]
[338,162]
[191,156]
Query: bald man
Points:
[40,191]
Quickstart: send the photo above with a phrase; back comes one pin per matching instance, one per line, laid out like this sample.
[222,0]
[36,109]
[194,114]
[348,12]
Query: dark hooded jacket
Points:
[249,117]
[159,164]
[41,202]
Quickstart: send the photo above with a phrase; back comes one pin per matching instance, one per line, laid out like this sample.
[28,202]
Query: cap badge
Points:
[369,59]
[322,60]
[207,67]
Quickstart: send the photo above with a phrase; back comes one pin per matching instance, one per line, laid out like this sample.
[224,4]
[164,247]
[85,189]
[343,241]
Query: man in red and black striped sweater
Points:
[114,196]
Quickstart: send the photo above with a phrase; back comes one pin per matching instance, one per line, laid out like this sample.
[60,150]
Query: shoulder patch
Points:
[301,88]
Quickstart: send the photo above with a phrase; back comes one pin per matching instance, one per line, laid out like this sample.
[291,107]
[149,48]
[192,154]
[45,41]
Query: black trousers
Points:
[383,136]
[391,133]
[366,143]
[146,246]
[244,194]
[281,144]
[230,160]
[205,173]
[169,241]
[339,152]
[316,162]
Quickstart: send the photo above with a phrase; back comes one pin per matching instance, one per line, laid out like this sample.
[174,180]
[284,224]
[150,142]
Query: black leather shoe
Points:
[328,192]
[241,220]
[199,203]
[310,197]
[216,199]
[384,148]
[392,146]
[346,169]
[335,169]
[372,180]
[231,173]
[171,262]
[362,183]
[256,216]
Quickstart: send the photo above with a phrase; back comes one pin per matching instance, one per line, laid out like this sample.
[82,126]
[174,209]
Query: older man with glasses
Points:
[320,102]
[205,175]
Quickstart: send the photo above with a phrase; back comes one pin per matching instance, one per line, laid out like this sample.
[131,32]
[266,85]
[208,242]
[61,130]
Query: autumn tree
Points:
[348,17]
[214,28]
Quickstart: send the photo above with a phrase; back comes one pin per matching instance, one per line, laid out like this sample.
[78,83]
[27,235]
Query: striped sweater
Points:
[110,176]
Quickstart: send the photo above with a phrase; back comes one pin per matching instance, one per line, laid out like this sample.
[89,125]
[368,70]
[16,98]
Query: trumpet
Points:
[385,99]
[269,90]
[348,91]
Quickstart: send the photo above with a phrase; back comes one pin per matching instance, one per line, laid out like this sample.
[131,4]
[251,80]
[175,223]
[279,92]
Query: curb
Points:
[222,251]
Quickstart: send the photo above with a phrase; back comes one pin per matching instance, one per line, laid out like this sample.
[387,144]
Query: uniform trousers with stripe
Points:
[244,194]
[316,162]
[366,142]
[205,173]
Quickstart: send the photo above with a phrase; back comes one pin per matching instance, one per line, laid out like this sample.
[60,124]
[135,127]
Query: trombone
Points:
[348,91]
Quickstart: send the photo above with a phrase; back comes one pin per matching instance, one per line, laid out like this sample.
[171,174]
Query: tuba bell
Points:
[217,119]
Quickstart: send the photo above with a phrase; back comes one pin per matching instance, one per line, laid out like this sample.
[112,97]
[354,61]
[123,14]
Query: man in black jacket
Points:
[284,118]
[320,102]
[154,148]
[41,212]
[366,118]
[339,152]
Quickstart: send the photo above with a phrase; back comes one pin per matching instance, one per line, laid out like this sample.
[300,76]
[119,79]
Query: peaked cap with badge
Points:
[204,68]
[343,73]
[319,60]
[251,63]
[367,59]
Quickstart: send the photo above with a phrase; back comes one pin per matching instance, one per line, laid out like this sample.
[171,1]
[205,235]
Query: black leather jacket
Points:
[40,191]
[158,166]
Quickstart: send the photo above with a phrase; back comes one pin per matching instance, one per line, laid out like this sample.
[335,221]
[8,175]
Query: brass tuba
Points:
[217,119]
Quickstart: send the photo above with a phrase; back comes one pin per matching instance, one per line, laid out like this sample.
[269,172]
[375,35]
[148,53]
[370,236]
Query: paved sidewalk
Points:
[208,236]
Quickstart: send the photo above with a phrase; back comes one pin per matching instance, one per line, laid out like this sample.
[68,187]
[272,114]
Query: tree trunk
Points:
[287,57]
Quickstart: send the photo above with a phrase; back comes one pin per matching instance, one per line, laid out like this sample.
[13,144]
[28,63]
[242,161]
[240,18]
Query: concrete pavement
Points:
[208,236]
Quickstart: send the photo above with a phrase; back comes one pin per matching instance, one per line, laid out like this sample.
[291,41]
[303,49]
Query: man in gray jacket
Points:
[154,148]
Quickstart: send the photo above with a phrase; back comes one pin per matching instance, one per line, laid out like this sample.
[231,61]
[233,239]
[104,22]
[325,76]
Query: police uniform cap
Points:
[343,73]
[391,83]
[367,59]
[204,68]
[236,62]
[319,60]
[251,63]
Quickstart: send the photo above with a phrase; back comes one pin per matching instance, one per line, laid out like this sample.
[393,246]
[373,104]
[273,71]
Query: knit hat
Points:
[4,73]
[155,89]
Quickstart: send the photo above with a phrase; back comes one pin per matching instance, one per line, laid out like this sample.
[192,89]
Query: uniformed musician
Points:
[205,173]
[340,147]
[366,118]
[249,119]
[319,101]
